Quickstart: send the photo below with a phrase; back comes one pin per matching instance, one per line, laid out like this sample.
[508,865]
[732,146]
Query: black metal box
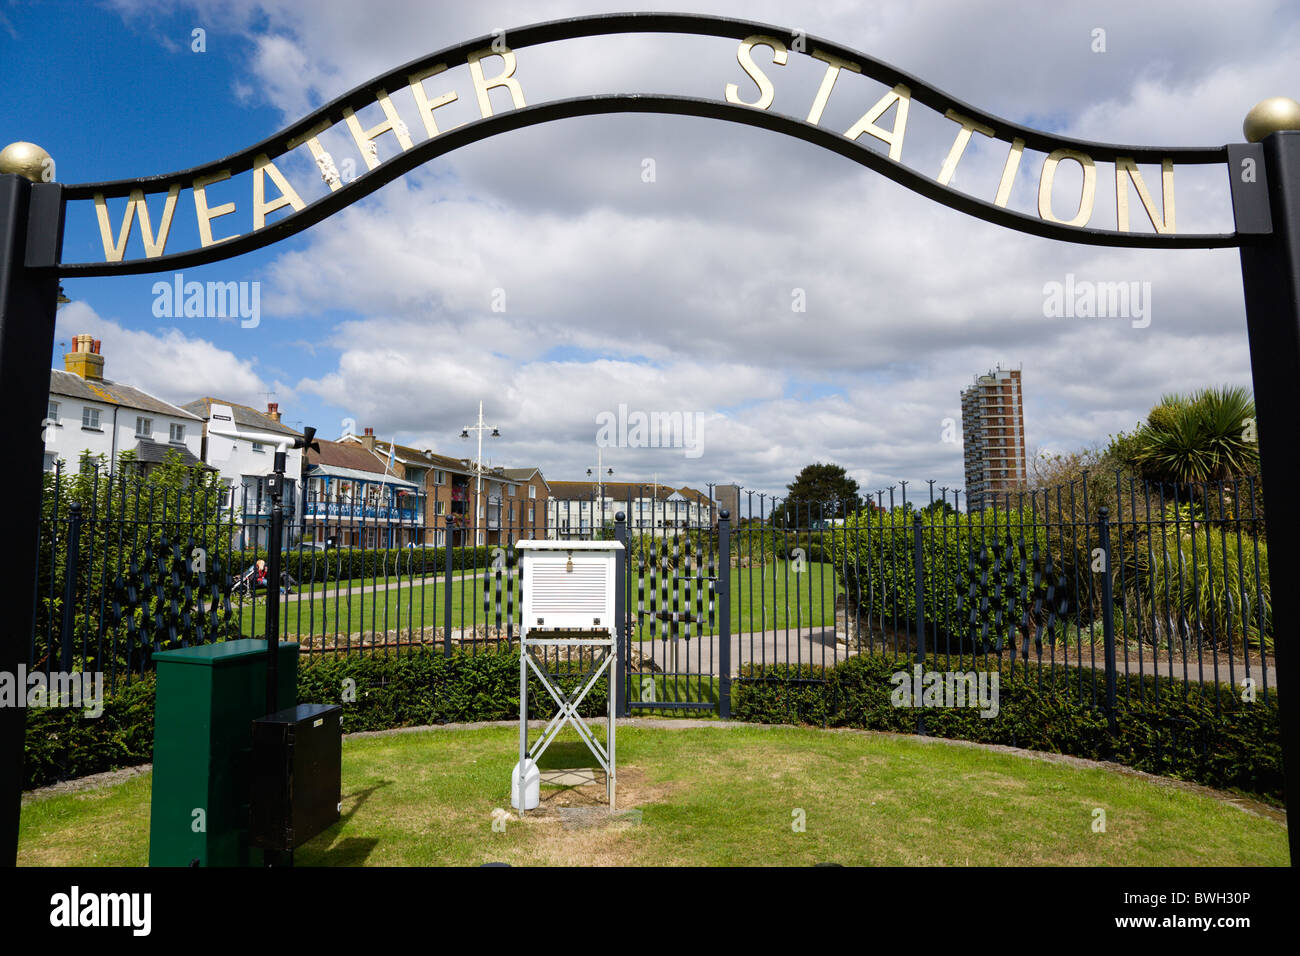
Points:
[297,775]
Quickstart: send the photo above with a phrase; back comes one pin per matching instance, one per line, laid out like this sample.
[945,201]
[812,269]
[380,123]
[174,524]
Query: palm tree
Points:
[1203,437]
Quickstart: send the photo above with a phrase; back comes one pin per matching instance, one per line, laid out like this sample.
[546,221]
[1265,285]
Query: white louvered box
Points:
[568,585]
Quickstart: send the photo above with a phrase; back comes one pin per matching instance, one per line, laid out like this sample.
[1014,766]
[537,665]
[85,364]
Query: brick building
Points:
[993,437]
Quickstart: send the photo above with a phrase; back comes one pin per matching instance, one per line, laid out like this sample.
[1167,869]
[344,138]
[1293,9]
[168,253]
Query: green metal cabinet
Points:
[206,701]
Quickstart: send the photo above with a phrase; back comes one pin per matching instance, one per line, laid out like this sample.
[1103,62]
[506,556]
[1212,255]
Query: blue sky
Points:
[671,295]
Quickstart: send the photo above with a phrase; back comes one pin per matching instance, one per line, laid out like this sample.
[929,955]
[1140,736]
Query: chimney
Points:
[84,358]
[273,411]
[368,439]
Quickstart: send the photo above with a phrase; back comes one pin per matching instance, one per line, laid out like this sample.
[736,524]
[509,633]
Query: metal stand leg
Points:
[523,721]
[610,778]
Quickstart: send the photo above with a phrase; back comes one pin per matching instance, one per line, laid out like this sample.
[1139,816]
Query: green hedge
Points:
[63,743]
[1175,733]
[417,688]
[983,577]
[1172,732]
[426,688]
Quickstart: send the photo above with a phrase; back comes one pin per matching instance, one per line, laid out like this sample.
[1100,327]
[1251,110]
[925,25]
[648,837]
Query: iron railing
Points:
[1104,592]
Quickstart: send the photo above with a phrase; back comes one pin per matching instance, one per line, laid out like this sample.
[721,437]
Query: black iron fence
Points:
[1096,582]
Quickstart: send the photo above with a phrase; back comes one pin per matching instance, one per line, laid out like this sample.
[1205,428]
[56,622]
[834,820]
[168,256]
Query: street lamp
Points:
[600,486]
[480,428]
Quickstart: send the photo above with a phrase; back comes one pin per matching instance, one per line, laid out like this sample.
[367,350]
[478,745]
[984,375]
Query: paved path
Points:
[429,581]
[700,655]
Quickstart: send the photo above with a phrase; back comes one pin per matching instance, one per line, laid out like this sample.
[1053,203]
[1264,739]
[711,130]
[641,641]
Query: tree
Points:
[939,507]
[820,491]
[1206,436]
[153,568]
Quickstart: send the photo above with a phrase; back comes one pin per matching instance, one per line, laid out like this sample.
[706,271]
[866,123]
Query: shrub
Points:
[1199,584]
[417,688]
[985,578]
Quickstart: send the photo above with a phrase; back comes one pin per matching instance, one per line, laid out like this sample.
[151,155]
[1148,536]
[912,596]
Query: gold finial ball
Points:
[1270,116]
[27,160]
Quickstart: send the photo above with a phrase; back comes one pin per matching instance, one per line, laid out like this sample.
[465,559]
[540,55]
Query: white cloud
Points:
[169,364]
[676,295]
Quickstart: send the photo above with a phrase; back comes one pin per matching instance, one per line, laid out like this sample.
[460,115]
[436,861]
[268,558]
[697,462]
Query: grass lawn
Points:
[714,796]
[772,597]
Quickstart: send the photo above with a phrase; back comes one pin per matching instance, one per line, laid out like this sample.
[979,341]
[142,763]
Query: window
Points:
[52,412]
[51,460]
[438,506]
[512,490]
[530,514]
[143,427]
[439,477]
[90,418]
[259,447]
[532,491]
[177,433]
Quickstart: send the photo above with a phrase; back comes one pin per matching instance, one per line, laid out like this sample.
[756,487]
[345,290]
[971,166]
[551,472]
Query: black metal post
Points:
[446,586]
[1270,270]
[918,574]
[724,614]
[273,586]
[71,559]
[31,234]
[622,633]
[1107,614]
[918,567]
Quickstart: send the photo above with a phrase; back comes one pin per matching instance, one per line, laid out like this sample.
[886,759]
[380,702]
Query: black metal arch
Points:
[623,23]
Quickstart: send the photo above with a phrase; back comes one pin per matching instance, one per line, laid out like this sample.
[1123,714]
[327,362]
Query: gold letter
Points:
[425,105]
[288,197]
[206,215]
[481,86]
[1009,170]
[1124,165]
[113,252]
[366,138]
[312,139]
[833,66]
[959,144]
[1086,199]
[766,92]
[894,137]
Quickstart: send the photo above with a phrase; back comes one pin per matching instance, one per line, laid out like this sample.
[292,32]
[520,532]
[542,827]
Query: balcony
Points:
[364,512]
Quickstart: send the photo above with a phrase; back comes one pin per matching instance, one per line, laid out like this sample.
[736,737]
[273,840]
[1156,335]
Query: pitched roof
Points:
[586,490]
[690,494]
[351,455]
[244,415]
[424,458]
[151,453]
[111,393]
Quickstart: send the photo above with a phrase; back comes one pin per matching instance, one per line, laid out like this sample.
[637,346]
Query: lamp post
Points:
[601,472]
[479,427]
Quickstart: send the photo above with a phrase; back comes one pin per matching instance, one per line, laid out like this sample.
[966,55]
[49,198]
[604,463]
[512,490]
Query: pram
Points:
[255,578]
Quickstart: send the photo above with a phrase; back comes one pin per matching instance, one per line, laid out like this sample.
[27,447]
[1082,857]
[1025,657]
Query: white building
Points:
[240,443]
[88,412]
[574,508]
